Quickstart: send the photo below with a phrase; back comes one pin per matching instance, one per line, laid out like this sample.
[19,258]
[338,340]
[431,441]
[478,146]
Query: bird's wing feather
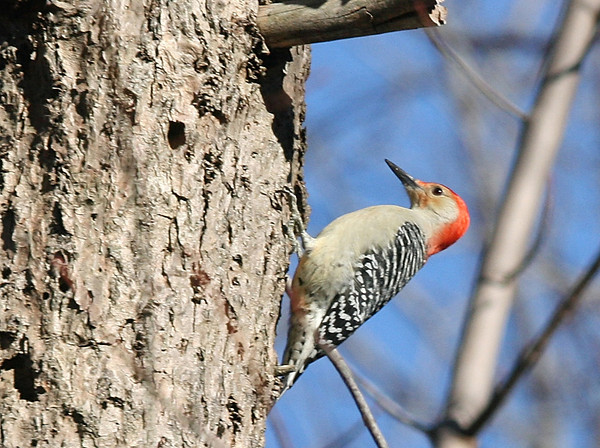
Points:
[379,276]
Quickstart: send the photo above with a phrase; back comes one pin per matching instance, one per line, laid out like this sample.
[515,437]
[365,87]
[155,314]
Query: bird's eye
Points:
[437,191]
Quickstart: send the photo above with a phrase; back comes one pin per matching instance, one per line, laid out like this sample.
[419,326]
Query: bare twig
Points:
[487,90]
[530,354]
[299,22]
[390,406]
[358,397]
[351,434]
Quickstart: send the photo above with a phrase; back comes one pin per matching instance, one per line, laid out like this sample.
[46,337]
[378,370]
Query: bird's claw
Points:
[284,369]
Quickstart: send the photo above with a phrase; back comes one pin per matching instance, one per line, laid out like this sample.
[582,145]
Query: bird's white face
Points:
[437,198]
[446,206]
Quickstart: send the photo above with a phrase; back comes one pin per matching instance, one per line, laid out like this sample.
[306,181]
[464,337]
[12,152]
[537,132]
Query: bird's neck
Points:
[447,234]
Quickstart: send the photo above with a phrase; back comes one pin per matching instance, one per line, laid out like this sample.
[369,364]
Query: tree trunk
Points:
[143,147]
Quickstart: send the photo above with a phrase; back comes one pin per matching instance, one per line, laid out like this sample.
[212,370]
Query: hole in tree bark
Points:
[57,226]
[6,339]
[9,222]
[176,134]
[65,286]
[25,376]
[47,158]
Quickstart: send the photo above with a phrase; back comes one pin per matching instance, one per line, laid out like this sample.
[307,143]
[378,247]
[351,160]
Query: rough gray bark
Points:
[143,256]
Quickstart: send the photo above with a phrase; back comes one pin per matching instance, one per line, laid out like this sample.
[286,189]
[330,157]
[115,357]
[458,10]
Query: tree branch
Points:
[346,374]
[475,78]
[492,299]
[349,435]
[299,22]
[531,353]
[391,407]
[542,231]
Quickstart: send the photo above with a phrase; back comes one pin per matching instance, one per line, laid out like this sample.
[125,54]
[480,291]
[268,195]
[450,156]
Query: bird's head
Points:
[447,212]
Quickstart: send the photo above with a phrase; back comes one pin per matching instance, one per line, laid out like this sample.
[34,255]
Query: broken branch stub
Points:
[299,22]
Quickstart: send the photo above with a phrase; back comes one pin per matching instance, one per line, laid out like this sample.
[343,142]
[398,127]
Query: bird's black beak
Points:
[408,181]
[415,191]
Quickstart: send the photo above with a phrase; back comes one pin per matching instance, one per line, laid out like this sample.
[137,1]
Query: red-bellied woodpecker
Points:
[360,261]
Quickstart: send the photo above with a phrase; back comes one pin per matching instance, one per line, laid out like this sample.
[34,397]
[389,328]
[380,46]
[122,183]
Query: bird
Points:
[359,262]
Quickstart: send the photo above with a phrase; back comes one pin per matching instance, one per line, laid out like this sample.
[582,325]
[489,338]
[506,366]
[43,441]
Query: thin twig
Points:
[531,353]
[487,90]
[359,399]
[390,406]
[351,434]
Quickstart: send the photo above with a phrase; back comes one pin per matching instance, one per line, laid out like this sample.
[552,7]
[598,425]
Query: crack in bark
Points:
[9,222]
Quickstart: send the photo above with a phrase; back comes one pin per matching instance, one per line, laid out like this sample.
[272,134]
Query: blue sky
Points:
[393,96]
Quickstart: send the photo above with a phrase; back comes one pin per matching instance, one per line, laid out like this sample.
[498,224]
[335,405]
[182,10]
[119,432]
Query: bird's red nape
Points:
[451,232]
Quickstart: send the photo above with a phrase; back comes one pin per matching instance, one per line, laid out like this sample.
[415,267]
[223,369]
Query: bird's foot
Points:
[284,369]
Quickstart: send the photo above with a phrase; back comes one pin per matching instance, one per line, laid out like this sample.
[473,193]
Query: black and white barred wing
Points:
[379,276]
